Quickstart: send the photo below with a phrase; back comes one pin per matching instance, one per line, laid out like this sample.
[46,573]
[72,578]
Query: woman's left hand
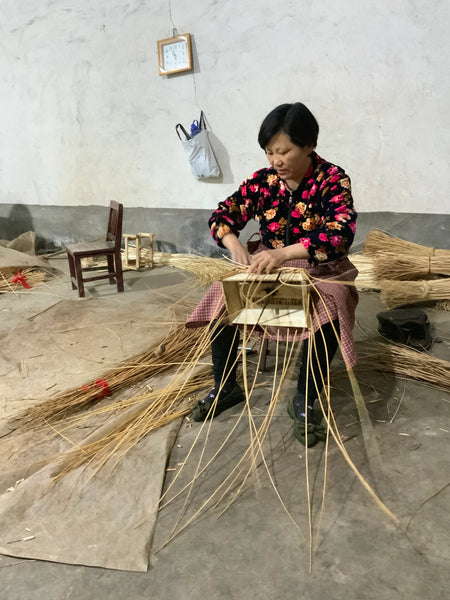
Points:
[267,261]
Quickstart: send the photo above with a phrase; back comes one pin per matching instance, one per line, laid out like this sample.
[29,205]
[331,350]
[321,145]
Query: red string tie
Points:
[20,277]
[104,388]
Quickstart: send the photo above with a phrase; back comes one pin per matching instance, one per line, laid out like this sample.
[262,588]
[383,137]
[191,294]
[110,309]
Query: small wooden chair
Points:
[110,248]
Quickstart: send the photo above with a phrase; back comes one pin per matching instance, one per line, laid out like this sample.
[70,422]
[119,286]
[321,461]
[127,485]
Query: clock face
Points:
[175,56]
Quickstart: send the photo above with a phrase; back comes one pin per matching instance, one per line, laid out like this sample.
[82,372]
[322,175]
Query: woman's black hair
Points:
[296,120]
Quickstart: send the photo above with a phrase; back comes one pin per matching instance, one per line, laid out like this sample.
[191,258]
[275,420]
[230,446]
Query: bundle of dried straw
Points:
[147,414]
[159,358]
[396,260]
[366,277]
[404,361]
[206,269]
[400,293]
[29,276]
[378,241]
[401,266]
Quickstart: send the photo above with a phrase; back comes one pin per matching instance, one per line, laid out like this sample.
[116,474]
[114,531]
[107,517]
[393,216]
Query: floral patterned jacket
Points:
[319,214]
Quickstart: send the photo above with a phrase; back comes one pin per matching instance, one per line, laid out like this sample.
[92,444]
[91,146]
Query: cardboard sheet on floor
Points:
[107,520]
[104,521]
[10,258]
[74,343]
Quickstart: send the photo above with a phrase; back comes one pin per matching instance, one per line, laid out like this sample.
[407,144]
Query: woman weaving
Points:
[306,220]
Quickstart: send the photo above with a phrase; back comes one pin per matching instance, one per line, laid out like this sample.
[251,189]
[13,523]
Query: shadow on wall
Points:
[18,221]
[223,158]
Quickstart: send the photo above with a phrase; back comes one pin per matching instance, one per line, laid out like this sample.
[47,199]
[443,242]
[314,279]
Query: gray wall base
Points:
[186,230]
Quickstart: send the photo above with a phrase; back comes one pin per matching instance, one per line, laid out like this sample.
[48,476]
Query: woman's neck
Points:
[292,184]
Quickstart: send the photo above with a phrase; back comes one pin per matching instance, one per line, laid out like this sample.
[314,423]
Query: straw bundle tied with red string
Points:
[158,358]
[144,415]
[13,279]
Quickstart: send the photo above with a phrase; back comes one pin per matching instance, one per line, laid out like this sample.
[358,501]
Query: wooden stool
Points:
[271,300]
[143,241]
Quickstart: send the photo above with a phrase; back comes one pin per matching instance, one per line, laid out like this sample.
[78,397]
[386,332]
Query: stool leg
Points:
[126,251]
[79,276]
[72,270]
[138,251]
[151,250]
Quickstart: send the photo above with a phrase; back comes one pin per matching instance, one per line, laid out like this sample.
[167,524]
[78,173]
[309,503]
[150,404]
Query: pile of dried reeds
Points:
[158,408]
[11,277]
[404,361]
[408,273]
[378,241]
[174,349]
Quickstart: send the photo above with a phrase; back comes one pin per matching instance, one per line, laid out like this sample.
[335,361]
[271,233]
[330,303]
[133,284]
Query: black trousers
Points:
[224,347]
[225,344]
[323,350]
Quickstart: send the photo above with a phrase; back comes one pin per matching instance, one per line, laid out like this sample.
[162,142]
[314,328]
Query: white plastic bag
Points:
[199,151]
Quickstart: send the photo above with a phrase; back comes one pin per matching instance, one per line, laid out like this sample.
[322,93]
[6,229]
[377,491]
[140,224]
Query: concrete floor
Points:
[253,550]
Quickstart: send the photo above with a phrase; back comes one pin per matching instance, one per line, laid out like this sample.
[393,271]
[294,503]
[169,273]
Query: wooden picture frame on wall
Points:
[175,54]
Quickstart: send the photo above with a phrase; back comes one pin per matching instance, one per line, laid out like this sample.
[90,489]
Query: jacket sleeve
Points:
[333,233]
[233,214]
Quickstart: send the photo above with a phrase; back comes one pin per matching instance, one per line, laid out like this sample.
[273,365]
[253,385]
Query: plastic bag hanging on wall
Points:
[198,149]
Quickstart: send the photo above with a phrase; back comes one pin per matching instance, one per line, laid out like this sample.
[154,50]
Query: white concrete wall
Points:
[86,118]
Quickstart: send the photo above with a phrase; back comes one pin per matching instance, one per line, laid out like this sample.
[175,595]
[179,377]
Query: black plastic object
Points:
[409,326]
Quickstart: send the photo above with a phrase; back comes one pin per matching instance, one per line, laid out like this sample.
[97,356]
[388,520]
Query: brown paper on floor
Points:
[74,343]
[107,521]
[25,242]
[13,258]
[110,521]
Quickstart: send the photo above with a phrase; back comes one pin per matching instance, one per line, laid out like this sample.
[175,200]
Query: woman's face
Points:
[290,161]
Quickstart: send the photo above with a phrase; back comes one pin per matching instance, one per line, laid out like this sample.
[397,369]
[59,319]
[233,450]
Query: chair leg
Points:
[119,272]
[110,259]
[79,276]
[72,270]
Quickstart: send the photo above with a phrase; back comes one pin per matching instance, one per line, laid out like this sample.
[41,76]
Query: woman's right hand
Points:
[239,254]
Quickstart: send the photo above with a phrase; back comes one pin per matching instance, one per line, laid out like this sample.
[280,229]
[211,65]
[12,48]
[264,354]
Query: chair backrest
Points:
[114,232]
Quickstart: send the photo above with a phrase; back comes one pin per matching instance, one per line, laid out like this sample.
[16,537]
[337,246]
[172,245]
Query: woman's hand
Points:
[239,254]
[267,261]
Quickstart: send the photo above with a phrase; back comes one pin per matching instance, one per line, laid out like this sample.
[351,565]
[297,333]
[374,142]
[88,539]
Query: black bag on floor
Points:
[409,326]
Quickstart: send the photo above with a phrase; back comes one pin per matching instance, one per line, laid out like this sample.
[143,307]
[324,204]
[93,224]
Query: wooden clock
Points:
[174,54]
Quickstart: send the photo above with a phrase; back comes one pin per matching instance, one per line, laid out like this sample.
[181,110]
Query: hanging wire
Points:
[195,91]
[174,30]
[174,33]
